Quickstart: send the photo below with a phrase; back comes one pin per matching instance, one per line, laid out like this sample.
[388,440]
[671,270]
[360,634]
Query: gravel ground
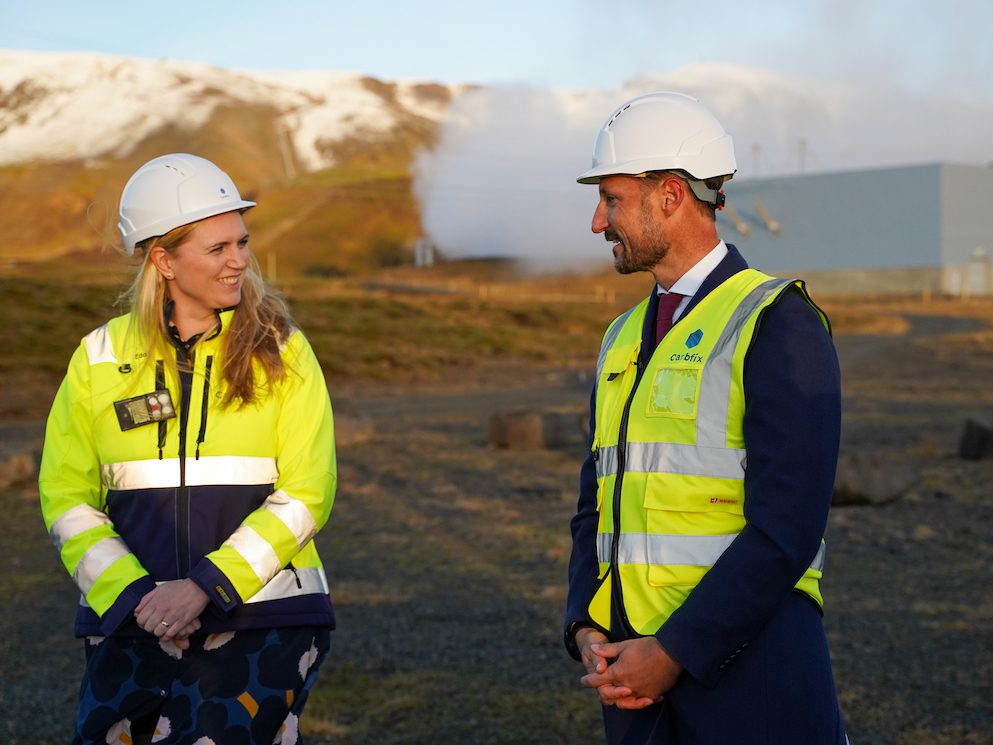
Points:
[910,612]
[447,560]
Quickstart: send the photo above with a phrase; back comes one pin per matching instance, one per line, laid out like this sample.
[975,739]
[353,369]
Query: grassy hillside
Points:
[338,221]
[400,324]
[403,325]
[358,215]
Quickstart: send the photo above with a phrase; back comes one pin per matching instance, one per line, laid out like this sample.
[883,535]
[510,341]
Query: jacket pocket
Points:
[674,393]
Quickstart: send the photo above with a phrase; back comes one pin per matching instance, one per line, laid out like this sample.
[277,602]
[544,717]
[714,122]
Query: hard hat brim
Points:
[642,165]
[164,226]
[632,168]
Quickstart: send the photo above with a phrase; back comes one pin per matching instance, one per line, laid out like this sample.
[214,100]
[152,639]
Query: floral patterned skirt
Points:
[227,689]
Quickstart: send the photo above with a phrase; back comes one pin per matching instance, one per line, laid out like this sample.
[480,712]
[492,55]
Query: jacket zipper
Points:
[295,575]
[622,435]
[183,493]
[161,386]
[202,436]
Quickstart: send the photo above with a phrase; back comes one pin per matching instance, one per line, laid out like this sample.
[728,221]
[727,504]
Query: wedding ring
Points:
[164,624]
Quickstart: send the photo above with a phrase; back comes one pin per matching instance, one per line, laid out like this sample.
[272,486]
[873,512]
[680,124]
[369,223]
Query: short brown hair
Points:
[714,183]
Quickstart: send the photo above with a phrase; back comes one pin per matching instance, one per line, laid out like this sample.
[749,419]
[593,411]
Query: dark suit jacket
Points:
[792,430]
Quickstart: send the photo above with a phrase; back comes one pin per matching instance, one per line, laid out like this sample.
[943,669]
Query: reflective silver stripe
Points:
[714,397]
[603,543]
[72,522]
[158,474]
[96,560]
[293,514]
[710,455]
[675,550]
[284,585]
[661,549]
[689,460]
[606,463]
[818,562]
[257,551]
[140,474]
[669,457]
[99,346]
[610,337]
[692,550]
[231,469]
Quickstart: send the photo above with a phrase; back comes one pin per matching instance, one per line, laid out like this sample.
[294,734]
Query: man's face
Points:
[628,216]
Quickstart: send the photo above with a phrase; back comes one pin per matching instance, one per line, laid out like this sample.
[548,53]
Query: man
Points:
[694,601]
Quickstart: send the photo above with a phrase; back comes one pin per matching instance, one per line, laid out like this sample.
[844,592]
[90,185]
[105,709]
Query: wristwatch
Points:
[570,638]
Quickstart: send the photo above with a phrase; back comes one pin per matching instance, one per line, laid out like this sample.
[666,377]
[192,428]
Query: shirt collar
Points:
[690,282]
[169,308]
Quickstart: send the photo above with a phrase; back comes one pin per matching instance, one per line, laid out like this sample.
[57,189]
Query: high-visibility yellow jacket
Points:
[229,497]
[670,452]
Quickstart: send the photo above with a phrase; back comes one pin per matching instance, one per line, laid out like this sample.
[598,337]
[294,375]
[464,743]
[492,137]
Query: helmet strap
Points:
[710,196]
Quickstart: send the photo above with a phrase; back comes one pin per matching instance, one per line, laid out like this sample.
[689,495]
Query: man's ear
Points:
[670,194]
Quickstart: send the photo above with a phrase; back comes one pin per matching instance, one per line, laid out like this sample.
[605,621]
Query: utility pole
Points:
[286,148]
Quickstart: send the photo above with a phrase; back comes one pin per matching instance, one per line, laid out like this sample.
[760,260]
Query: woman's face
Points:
[208,267]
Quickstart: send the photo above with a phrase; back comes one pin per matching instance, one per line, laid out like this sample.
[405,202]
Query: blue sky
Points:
[919,46]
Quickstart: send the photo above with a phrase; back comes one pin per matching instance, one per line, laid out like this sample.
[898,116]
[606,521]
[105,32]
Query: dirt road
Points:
[447,560]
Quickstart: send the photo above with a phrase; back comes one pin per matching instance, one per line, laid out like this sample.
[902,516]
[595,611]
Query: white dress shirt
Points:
[690,282]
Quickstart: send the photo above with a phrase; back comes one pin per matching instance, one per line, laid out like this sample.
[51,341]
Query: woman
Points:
[189,462]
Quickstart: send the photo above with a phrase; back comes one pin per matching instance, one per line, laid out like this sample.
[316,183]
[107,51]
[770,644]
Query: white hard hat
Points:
[662,132]
[174,190]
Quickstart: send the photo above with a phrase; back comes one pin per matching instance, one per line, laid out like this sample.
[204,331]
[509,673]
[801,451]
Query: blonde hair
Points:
[260,325]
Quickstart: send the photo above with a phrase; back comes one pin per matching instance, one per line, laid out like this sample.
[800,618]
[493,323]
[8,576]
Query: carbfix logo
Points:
[691,341]
[223,193]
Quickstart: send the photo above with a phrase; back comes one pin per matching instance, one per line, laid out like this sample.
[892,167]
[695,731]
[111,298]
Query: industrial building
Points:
[926,228]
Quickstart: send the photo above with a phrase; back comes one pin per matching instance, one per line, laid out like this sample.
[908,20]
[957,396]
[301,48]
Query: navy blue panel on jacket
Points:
[215,513]
[738,631]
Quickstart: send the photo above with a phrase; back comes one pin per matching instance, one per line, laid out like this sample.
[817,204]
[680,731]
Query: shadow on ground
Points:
[447,560]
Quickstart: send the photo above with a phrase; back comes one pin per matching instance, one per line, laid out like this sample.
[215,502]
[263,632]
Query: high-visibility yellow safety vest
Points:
[670,452]
[235,493]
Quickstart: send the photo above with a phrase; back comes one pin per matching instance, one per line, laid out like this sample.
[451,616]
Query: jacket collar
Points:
[730,265]
[223,315]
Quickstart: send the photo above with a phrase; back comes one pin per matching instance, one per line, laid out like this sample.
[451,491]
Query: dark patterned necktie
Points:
[667,306]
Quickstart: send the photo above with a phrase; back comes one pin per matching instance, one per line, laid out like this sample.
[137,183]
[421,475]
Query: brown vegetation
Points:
[447,556]
[359,215]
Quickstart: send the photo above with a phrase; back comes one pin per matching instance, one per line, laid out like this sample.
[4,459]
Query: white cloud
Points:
[501,180]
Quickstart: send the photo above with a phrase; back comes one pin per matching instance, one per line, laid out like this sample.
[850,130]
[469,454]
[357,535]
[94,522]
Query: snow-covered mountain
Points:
[61,107]
[327,153]
[355,167]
